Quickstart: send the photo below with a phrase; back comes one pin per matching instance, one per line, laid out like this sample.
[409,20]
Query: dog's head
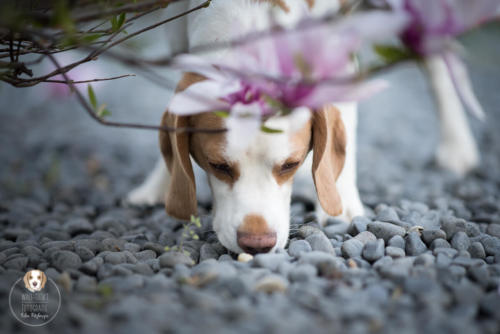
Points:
[252,189]
[34,280]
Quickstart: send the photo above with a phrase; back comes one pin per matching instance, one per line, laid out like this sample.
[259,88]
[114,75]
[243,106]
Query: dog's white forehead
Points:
[270,148]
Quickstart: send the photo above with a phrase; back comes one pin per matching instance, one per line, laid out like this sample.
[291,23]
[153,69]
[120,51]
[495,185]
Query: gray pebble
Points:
[358,225]
[388,214]
[76,226]
[385,230]
[298,246]
[319,242]
[450,252]
[92,266]
[414,245]
[170,259]
[18,263]
[476,250]
[86,284]
[494,230]
[365,237]
[451,225]
[225,257]
[394,252]
[84,253]
[351,248]
[269,261]
[64,260]
[397,241]
[307,230]
[491,245]
[131,247]
[373,250]
[430,235]
[425,260]
[208,252]
[442,260]
[145,255]
[440,243]
[302,273]
[460,241]
[115,258]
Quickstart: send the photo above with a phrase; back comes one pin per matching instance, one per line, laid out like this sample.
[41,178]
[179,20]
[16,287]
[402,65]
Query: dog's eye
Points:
[288,166]
[222,168]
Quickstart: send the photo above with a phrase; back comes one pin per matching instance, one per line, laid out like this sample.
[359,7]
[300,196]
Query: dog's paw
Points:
[459,158]
[144,196]
[352,207]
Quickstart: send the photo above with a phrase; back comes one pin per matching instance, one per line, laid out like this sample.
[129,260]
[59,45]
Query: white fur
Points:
[457,149]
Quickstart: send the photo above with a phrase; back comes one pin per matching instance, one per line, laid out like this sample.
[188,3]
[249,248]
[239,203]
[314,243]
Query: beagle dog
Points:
[34,280]
[251,190]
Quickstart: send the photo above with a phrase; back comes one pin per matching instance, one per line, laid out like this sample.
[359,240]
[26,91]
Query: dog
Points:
[252,190]
[34,280]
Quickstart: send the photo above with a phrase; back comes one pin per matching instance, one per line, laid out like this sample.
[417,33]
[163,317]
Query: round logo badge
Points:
[34,299]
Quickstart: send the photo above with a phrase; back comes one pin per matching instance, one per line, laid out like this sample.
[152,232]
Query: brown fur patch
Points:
[254,224]
[208,149]
[279,3]
[301,141]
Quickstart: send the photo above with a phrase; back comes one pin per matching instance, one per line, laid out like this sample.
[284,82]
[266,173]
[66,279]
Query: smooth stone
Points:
[451,225]
[86,284]
[476,250]
[170,259]
[389,215]
[394,252]
[64,260]
[145,255]
[439,243]
[351,248]
[430,235]
[271,283]
[76,226]
[207,251]
[365,237]
[385,230]
[491,245]
[450,252]
[297,247]
[358,225]
[494,230]
[17,263]
[397,241]
[373,250]
[92,266]
[460,241]
[424,259]
[319,242]
[414,245]
[84,253]
[269,260]
[302,273]
[307,230]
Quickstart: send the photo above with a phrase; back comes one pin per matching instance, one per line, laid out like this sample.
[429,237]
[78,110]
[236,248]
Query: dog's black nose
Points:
[35,283]
[256,243]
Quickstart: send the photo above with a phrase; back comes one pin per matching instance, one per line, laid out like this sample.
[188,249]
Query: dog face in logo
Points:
[35,280]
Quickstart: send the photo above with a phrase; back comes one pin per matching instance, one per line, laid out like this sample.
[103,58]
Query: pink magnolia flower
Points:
[433,26]
[285,71]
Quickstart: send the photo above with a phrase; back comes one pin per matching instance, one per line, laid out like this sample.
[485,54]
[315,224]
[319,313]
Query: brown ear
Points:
[180,199]
[26,280]
[329,143]
[44,279]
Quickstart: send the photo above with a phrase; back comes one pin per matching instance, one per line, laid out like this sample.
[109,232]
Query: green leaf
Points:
[121,20]
[105,290]
[114,23]
[166,248]
[196,237]
[102,112]
[266,129]
[222,113]
[87,39]
[92,98]
[391,54]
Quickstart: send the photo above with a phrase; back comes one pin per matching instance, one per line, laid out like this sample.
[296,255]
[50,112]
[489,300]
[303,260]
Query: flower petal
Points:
[201,97]
[243,124]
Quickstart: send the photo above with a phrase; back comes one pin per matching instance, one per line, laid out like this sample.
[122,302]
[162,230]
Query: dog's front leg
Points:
[152,190]
[346,183]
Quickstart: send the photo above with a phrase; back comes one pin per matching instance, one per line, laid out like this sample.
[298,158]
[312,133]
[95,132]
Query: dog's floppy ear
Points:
[26,280]
[329,145]
[180,199]
[44,280]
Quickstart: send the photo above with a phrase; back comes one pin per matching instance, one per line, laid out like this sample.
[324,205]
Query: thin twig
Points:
[90,80]
[92,114]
